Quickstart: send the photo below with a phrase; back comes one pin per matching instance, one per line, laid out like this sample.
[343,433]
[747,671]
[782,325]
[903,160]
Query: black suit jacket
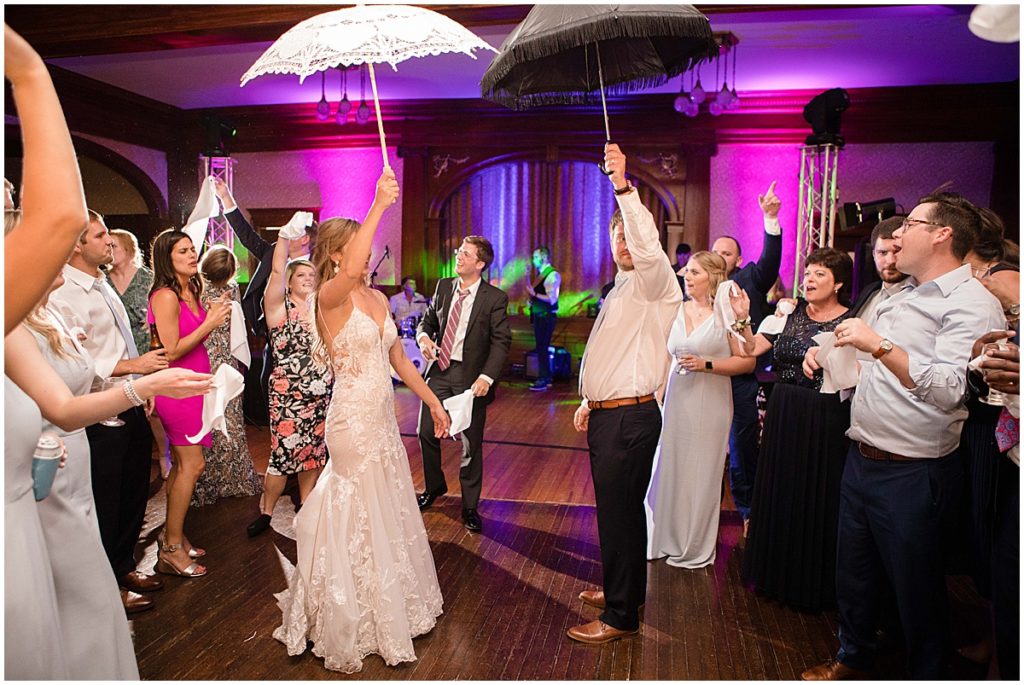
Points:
[252,302]
[757,278]
[863,296]
[488,336]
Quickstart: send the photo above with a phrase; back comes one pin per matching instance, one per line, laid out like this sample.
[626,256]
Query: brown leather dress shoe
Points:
[598,633]
[833,670]
[594,598]
[140,582]
[134,602]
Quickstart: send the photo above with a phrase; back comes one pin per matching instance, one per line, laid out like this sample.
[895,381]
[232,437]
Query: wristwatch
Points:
[884,348]
[625,189]
[708,365]
[1013,311]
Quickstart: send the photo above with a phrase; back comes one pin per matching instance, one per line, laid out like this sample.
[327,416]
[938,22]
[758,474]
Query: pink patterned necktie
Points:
[444,358]
[1007,430]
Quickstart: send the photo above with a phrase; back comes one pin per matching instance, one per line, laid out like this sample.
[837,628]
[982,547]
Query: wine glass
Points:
[115,420]
[994,397]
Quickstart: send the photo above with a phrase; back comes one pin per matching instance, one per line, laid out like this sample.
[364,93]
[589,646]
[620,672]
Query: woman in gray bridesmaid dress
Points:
[97,644]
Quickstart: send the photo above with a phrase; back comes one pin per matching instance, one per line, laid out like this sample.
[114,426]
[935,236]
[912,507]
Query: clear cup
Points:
[115,420]
[994,397]
[45,463]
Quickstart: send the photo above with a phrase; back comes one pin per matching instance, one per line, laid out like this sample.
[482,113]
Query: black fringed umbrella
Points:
[568,54]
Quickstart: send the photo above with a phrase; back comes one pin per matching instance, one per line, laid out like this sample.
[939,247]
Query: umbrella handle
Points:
[380,119]
[601,163]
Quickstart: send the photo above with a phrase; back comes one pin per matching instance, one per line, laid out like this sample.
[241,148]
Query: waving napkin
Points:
[724,317]
[206,208]
[227,385]
[296,226]
[239,339]
[838,363]
[773,325]
[460,408]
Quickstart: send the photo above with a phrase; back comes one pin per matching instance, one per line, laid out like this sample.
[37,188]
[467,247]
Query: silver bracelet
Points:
[131,394]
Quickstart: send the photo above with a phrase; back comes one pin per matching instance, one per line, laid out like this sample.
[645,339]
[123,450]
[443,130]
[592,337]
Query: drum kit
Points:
[407,330]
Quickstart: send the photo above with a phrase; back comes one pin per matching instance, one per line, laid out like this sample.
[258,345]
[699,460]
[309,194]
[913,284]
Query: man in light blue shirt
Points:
[903,475]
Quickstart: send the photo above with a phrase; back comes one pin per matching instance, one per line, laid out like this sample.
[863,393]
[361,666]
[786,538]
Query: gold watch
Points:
[884,348]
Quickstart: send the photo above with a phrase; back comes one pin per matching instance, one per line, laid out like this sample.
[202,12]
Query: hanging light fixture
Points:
[363,112]
[734,101]
[722,98]
[715,106]
[323,108]
[344,106]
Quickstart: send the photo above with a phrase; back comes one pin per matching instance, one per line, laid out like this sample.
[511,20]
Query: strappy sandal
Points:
[193,552]
[167,567]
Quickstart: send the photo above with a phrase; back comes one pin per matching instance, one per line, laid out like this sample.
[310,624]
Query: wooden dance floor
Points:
[509,594]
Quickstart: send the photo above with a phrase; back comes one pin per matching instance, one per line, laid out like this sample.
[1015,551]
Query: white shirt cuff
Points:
[772,226]
[485,377]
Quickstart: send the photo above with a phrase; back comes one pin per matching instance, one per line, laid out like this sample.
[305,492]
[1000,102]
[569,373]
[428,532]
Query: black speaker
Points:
[559,360]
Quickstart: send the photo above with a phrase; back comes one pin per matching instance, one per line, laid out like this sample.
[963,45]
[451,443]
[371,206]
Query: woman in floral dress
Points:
[229,470]
[299,390]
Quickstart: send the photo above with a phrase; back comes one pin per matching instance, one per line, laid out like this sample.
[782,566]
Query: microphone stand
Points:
[373,274]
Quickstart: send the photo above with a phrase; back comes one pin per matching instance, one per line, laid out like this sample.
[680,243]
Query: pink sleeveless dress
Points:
[185,417]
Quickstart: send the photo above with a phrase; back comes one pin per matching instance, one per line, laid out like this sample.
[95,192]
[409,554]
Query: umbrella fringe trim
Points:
[568,38]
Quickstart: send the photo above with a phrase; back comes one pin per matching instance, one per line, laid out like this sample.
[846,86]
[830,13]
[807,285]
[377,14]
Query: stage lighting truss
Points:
[223,168]
[819,196]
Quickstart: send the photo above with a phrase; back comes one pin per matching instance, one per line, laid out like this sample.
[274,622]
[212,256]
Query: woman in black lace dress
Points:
[791,548]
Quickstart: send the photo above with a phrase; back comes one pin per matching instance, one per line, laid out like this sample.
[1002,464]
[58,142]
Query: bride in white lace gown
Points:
[364,582]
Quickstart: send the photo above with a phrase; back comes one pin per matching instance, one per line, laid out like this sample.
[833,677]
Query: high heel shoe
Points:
[166,566]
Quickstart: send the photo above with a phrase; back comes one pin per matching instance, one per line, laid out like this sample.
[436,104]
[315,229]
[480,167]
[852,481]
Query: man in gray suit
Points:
[465,337]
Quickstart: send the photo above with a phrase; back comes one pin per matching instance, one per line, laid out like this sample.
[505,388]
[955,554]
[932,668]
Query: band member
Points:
[543,291]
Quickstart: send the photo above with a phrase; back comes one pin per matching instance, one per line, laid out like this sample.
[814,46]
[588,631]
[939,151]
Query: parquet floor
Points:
[509,593]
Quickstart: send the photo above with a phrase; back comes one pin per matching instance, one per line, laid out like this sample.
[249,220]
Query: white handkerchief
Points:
[239,339]
[774,325]
[227,385]
[838,363]
[460,408]
[724,317]
[206,208]
[296,226]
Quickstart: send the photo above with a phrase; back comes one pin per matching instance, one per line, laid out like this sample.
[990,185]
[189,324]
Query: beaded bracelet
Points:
[131,394]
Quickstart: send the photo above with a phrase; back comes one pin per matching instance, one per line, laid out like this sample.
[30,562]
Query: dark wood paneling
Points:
[73,30]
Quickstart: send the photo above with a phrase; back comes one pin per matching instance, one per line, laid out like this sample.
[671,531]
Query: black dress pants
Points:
[445,384]
[622,443]
[121,459]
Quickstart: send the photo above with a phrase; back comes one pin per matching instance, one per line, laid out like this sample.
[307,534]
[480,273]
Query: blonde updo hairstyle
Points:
[332,236]
[715,266]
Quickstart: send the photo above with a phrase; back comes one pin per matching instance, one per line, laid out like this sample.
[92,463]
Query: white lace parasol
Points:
[364,34]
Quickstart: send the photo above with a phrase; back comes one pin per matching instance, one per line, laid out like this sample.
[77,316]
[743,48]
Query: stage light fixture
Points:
[823,113]
[219,131]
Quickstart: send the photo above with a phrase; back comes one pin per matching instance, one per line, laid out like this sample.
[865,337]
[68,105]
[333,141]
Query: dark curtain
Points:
[519,206]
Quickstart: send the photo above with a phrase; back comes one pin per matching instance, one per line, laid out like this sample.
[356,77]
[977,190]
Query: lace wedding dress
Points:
[364,582]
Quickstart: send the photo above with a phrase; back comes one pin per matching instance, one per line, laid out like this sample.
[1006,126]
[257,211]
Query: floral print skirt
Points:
[298,409]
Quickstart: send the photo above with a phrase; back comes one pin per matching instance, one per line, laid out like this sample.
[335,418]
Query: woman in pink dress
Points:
[182,325]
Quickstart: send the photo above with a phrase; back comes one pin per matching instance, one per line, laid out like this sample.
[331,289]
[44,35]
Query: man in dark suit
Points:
[756,278]
[883,251]
[465,337]
[252,301]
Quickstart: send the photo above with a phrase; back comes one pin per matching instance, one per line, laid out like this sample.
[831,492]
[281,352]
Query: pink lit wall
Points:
[905,172]
[340,181]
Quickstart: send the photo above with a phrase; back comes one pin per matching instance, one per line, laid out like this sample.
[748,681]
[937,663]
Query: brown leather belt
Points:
[871,452]
[620,402]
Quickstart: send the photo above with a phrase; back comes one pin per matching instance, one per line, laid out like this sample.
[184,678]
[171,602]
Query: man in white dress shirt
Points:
[903,477]
[625,363]
[407,302]
[121,455]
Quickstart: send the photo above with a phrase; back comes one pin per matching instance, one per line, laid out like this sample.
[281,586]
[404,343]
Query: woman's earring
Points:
[336,267]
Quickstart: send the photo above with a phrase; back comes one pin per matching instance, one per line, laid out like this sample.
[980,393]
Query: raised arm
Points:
[26,366]
[653,271]
[353,261]
[766,268]
[53,203]
[274,294]
[246,234]
[166,311]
